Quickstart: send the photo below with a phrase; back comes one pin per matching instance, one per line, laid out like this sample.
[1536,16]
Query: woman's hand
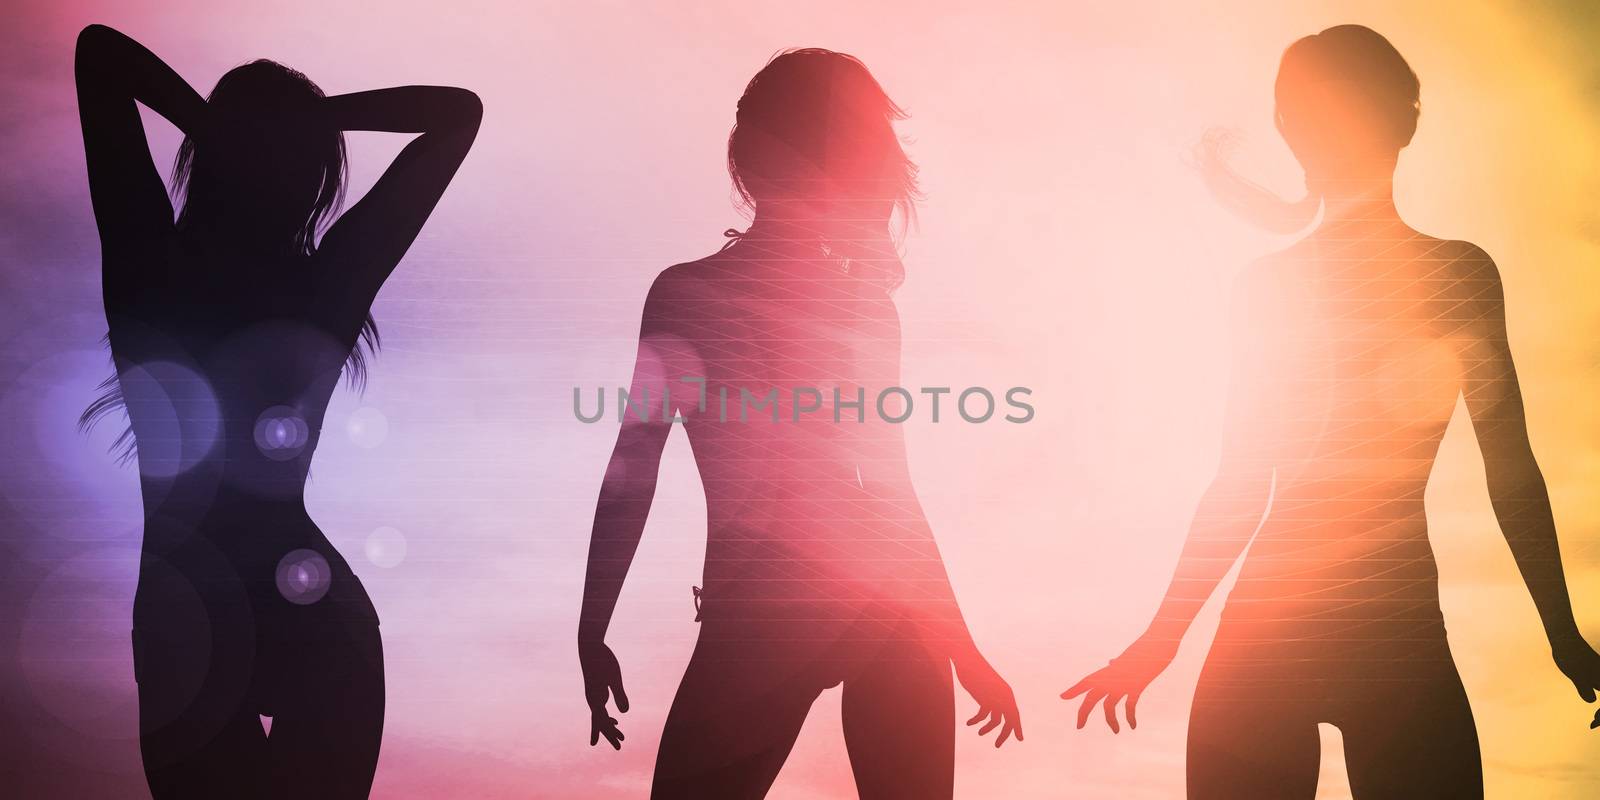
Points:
[1126,676]
[602,680]
[1581,664]
[995,700]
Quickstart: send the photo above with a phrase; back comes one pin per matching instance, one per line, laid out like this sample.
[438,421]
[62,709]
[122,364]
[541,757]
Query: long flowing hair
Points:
[815,123]
[254,83]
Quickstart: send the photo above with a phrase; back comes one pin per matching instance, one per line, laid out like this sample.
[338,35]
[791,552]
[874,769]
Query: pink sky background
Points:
[1064,245]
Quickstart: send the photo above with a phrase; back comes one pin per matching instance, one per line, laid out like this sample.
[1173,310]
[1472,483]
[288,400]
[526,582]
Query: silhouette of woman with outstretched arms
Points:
[820,566]
[229,329]
[1352,348]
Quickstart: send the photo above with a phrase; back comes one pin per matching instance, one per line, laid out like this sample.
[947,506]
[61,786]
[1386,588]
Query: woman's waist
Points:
[789,607]
[1277,610]
[241,541]
[238,522]
[1349,502]
[800,589]
[819,555]
[264,564]
[1337,480]
[1345,648]
[810,509]
[228,484]
[1346,540]
[1286,587]
[226,600]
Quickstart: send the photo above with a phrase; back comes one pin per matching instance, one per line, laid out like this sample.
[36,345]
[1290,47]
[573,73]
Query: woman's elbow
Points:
[465,109]
[93,33]
[94,41]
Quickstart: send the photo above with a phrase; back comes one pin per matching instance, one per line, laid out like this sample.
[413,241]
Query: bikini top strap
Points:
[733,235]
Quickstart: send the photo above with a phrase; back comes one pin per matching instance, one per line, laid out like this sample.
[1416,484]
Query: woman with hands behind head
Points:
[229,329]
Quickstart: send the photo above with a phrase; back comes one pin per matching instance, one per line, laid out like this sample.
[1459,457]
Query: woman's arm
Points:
[619,518]
[1516,486]
[114,74]
[375,233]
[626,494]
[924,585]
[1226,520]
[944,627]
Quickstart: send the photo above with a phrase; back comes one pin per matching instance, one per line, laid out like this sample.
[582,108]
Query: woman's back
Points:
[226,373]
[804,478]
[1367,339]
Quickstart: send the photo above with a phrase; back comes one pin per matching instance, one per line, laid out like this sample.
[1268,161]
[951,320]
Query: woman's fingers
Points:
[1111,713]
[1011,728]
[1081,686]
[618,694]
[612,733]
[1584,691]
[994,721]
[982,712]
[1096,692]
[1088,706]
[602,725]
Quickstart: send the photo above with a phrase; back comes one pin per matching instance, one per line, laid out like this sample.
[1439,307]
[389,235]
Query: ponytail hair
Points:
[1246,198]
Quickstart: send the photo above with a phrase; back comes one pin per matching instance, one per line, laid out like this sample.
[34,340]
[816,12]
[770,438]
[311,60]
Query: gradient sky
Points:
[1064,245]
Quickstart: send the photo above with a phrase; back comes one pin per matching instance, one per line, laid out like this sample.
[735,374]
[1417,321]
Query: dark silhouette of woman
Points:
[820,566]
[1352,348]
[229,329]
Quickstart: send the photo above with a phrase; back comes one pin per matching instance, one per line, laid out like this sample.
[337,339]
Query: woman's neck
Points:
[1359,204]
[863,247]
[779,220]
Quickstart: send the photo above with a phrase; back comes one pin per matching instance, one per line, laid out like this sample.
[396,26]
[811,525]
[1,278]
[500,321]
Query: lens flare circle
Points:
[367,427]
[303,577]
[72,646]
[386,547]
[181,416]
[281,433]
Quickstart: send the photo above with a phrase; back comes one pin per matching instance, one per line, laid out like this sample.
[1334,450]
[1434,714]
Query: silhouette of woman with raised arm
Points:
[820,566]
[1352,348]
[229,329]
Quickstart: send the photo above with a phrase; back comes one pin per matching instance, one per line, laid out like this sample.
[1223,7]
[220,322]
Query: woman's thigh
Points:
[1414,738]
[1247,740]
[197,732]
[733,722]
[899,725]
[327,704]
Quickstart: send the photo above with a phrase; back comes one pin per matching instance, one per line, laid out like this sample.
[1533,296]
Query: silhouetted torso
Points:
[1366,345]
[809,519]
[227,366]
